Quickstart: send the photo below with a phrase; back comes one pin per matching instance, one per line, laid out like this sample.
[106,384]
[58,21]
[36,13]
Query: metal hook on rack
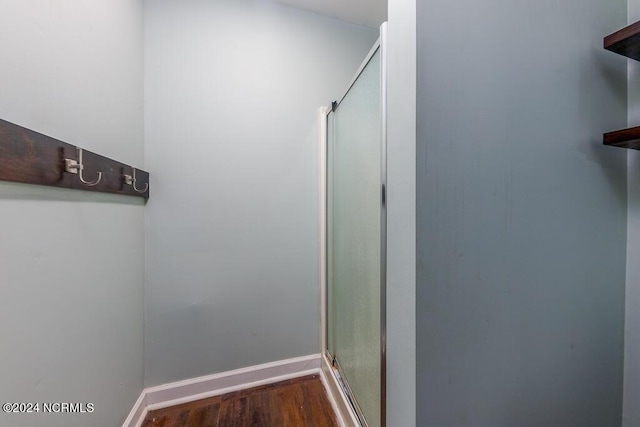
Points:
[77,166]
[131,180]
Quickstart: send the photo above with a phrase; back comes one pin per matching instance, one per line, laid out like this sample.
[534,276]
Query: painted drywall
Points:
[72,262]
[401,214]
[371,13]
[521,214]
[232,90]
[631,408]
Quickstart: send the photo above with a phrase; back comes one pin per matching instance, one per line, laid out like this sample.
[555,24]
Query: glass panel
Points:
[354,216]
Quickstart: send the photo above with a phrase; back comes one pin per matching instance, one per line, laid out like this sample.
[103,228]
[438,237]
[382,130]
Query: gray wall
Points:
[232,94]
[631,411]
[521,214]
[72,263]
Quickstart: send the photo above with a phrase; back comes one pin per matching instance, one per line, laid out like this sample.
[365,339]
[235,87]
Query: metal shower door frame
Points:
[380,45]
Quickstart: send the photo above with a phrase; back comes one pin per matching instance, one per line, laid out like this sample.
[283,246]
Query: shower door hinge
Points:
[334,105]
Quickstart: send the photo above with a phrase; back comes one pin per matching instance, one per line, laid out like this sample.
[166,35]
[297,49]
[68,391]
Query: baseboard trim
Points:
[341,406]
[179,392]
[138,412]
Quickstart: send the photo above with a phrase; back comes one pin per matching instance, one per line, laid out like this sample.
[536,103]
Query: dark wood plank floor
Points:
[300,402]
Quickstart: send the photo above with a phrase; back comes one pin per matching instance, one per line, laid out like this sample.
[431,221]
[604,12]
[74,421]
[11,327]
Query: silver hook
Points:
[73,166]
[131,180]
[146,185]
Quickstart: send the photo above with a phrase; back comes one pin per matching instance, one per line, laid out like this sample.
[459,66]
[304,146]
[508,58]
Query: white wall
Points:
[522,214]
[72,263]
[401,214]
[631,408]
[232,94]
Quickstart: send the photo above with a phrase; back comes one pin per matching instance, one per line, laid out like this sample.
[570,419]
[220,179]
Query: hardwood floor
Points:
[300,402]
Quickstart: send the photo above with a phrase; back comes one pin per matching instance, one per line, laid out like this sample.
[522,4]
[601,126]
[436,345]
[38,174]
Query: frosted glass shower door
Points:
[354,239]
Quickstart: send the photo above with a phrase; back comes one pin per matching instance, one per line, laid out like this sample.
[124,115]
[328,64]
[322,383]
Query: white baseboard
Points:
[166,395]
[138,412]
[341,406]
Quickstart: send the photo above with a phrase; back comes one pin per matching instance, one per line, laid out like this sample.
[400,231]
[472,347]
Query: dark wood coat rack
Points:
[625,42]
[33,158]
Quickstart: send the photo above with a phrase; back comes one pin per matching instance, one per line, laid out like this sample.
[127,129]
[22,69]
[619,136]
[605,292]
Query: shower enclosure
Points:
[356,238]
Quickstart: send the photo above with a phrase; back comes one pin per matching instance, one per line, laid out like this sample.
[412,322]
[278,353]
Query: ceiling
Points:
[371,13]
